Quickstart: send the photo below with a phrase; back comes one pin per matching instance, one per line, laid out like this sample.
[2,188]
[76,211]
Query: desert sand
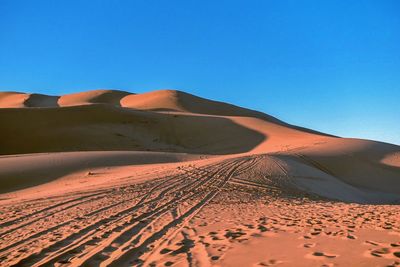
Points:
[166,178]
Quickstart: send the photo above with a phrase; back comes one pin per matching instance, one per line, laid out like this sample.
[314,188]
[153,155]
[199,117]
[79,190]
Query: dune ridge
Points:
[100,96]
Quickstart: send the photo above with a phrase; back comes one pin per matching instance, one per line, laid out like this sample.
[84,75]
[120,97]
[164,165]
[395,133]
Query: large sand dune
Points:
[111,178]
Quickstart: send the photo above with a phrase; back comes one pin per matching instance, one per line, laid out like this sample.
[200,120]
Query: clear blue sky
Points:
[333,66]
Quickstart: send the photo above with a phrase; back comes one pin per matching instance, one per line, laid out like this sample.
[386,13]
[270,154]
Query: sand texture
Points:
[165,178]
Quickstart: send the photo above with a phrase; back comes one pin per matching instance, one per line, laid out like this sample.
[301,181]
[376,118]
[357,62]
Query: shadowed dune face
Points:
[360,163]
[99,127]
[39,100]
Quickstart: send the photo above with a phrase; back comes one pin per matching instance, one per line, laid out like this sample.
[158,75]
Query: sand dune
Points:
[166,178]
[20,100]
[357,162]
[86,125]
[178,101]
[111,120]
[111,97]
[174,100]
[12,99]
[100,127]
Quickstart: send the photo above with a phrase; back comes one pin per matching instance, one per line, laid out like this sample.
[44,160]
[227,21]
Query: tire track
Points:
[252,184]
[98,196]
[125,212]
[178,222]
[65,223]
[108,231]
[187,187]
[152,217]
[47,208]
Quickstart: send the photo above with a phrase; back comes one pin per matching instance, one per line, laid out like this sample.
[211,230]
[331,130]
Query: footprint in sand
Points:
[165,251]
[315,233]
[271,262]
[214,258]
[309,245]
[262,228]
[250,226]
[349,236]
[372,243]
[319,254]
[234,234]
[380,252]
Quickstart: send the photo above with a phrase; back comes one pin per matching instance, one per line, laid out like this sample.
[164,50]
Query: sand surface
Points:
[110,178]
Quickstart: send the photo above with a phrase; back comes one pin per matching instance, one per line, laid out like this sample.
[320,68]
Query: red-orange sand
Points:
[110,178]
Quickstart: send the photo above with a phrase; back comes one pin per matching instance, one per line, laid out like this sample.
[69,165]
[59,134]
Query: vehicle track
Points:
[119,226]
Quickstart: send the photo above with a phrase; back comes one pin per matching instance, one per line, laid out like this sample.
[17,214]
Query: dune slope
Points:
[102,127]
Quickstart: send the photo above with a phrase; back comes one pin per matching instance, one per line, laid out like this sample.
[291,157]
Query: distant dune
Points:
[109,97]
[13,99]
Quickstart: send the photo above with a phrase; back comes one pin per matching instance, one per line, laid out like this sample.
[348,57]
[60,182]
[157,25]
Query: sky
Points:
[333,66]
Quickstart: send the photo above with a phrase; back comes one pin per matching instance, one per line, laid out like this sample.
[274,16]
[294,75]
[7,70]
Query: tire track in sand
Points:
[121,231]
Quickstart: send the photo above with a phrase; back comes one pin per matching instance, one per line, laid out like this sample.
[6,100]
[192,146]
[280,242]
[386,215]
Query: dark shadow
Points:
[39,100]
[104,128]
[107,97]
[110,97]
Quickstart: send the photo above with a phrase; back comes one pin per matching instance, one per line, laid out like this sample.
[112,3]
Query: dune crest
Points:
[178,101]
[110,97]
[12,99]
